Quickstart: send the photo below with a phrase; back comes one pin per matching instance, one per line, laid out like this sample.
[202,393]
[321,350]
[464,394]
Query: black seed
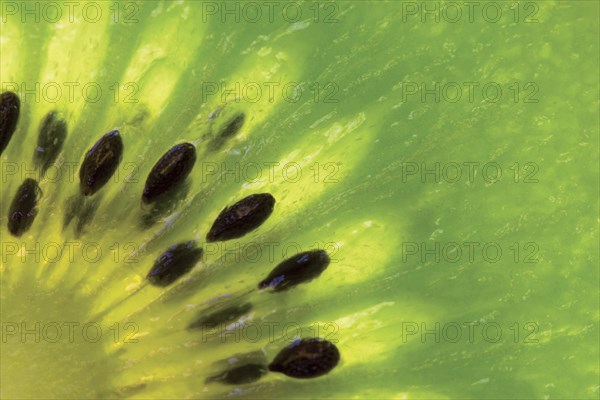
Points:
[221,317]
[241,375]
[242,217]
[177,261]
[53,132]
[23,207]
[100,163]
[300,268]
[172,169]
[10,106]
[228,131]
[306,358]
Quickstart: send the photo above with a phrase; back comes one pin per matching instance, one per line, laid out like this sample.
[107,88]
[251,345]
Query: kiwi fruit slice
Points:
[461,231]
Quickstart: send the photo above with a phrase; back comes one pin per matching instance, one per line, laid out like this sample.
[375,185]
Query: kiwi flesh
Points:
[357,167]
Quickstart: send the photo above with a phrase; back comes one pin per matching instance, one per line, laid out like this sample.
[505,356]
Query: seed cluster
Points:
[306,358]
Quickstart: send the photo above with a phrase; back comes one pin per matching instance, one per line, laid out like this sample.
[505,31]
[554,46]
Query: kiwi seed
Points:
[168,172]
[241,218]
[100,163]
[175,262]
[23,207]
[10,106]
[306,358]
[300,268]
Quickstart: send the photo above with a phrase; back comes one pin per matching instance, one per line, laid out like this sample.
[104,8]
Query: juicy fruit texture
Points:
[175,262]
[241,218]
[100,163]
[52,135]
[298,269]
[168,172]
[306,358]
[240,375]
[9,117]
[23,207]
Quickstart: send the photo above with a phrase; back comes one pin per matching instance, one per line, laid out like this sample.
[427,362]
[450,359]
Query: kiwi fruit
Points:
[201,202]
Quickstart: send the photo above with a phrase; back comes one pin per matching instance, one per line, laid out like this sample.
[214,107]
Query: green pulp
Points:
[463,220]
